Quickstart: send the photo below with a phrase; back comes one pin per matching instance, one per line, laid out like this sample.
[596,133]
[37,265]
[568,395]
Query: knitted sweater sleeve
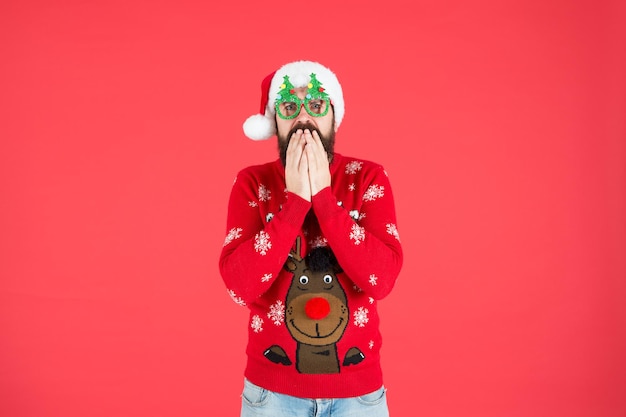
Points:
[254,251]
[368,249]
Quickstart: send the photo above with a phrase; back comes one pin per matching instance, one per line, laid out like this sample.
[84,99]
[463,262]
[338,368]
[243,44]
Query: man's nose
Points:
[303,114]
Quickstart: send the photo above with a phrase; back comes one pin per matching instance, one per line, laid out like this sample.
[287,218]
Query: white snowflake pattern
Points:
[361,216]
[357,234]
[360,317]
[264,193]
[257,324]
[266,277]
[393,231]
[253,204]
[371,300]
[373,192]
[371,344]
[319,242]
[238,300]
[356,288]
[373,280]
[234,233]
[351,187]
[277,313]
[353,167]
[262,242]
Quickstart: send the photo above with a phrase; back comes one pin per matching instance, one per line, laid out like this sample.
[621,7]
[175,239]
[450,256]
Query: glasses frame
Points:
[300,103]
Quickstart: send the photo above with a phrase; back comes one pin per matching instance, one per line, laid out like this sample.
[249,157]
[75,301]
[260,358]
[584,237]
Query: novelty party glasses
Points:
[288,104]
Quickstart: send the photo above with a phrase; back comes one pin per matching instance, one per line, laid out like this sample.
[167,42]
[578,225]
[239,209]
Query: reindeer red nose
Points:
[317,308]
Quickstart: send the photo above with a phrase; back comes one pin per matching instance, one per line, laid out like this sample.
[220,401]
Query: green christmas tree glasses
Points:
[288,104]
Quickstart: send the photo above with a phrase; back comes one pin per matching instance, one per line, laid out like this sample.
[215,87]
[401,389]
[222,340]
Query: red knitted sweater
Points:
[311,274]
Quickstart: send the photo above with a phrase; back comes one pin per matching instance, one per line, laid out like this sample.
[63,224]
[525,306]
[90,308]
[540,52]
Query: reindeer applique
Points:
[316,314]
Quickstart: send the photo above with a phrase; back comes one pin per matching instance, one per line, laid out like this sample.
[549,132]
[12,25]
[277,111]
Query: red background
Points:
[501,125]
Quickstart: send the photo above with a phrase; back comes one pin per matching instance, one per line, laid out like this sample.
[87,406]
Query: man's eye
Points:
[316,106]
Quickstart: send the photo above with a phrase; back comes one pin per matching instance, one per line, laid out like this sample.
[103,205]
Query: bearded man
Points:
[311,247]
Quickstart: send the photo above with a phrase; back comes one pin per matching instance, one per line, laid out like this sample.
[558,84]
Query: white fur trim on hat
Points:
[263,126]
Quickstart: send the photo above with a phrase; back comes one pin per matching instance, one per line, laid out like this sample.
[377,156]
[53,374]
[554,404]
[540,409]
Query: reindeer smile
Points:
[318,336]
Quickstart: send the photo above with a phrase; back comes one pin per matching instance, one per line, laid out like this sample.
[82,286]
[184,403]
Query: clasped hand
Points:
[307,169]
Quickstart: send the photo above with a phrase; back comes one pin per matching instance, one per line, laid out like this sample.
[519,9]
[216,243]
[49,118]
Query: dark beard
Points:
[328,141]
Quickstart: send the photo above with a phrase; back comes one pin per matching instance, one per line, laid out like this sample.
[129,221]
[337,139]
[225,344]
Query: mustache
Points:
[303,126]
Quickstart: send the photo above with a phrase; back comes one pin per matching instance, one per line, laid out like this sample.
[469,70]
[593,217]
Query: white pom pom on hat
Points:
[262,126]
[259,127]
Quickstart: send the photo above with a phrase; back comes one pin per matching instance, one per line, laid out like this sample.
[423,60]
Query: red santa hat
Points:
[263,126]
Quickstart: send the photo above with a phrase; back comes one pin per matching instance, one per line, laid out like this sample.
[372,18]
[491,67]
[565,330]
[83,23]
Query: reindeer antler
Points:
[294,259]
[296,254]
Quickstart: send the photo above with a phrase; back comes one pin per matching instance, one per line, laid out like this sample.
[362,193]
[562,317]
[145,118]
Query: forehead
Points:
[301,92]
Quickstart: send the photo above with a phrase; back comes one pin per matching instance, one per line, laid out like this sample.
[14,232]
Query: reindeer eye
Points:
[328,279]
[304,280]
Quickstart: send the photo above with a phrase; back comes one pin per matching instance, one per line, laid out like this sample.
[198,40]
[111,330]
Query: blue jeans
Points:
[259,402]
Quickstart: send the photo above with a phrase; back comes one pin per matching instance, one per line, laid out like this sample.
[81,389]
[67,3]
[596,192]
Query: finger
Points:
[294,140]
[310,149]
[304,162]
[318,142]
[317,151]
[295,148]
